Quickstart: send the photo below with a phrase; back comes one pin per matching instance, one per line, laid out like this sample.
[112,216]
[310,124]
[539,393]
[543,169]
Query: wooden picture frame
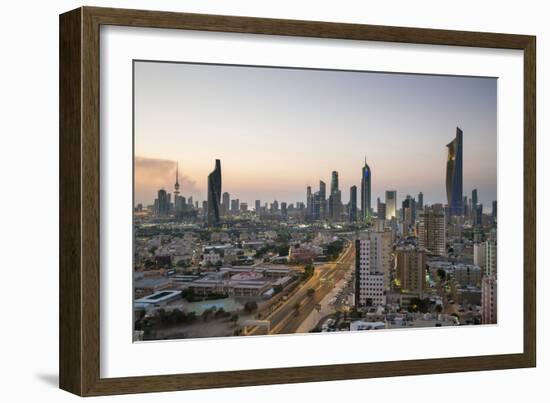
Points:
[79,347]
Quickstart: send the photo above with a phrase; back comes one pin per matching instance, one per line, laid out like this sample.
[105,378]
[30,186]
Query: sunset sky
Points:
[278,130]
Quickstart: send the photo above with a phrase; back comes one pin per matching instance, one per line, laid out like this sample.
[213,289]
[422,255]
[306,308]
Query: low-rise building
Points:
[144,286]
[363,325]
[469,295]
[159,298]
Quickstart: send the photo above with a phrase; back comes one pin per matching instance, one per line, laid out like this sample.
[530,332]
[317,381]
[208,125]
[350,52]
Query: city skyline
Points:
[396,196]
[408,163]
[297,201]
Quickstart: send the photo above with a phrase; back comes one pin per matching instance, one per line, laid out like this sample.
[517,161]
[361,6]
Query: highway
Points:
[287,318]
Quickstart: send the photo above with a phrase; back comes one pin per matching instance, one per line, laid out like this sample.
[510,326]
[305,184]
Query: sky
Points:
[278,130]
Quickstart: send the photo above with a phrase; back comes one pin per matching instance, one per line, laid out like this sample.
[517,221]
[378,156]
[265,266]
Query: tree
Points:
[250,306]
[438,308]
[419,305]
[309,269]
[177,316]
[343,325]
[182,263]
[283,249]
[441,274]
[283,237]
[355,314]
[335,248]
[206,314]
[188,294]
[310,292]
[220,313]
[261,252]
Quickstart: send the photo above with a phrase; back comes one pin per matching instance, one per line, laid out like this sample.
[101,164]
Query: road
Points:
[286,319]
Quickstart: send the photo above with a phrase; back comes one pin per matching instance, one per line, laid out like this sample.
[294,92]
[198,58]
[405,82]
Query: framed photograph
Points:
[249,201]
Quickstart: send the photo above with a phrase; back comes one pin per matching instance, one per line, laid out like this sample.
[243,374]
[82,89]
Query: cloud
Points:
[152,174]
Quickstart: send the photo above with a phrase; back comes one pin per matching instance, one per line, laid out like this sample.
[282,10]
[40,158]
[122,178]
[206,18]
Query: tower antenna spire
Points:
[177,184]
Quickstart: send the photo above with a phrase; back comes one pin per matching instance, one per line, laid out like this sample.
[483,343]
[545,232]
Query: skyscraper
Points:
[391,204]
[478,214]
[494,212]
[420,201]
[466,206]
[431,230]
[454,175]
[235,206]
[334,182]
[353,203]
[489,300]
[369,272]
[491,257]
[162,203]
[366,179]
[309,202]
[226,197]
[411,268]
[480,255]
[284,210]
[408,211]
[380,210]
[214,194]
[257,207]
[322,200]
[335,199]
[474,198]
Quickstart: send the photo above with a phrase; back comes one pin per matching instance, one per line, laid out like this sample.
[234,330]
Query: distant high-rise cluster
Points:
[410,216]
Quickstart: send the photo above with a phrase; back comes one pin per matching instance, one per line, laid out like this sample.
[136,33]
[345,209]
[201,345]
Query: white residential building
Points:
[491,258]
[370,261]
[489,300]
[480,255]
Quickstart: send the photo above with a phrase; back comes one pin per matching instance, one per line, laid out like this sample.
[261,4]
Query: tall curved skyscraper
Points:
[366,178]
[214,194]
[454,175]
